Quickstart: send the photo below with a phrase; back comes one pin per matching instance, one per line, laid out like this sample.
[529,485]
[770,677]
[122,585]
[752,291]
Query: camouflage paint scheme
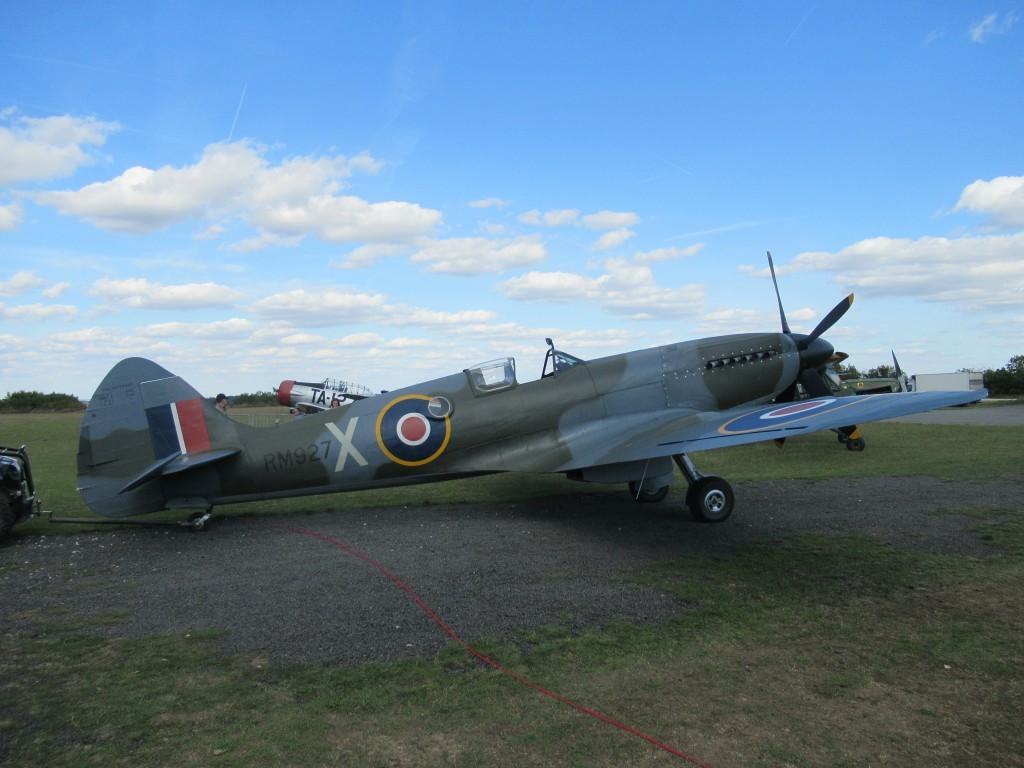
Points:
[149,441]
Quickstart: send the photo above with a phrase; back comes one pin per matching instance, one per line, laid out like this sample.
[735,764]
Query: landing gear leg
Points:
[709,497]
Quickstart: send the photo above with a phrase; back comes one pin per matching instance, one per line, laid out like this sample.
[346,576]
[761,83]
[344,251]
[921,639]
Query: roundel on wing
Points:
[407,434]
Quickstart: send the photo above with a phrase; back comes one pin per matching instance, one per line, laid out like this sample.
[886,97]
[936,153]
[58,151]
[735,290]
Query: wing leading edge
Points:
[652,435]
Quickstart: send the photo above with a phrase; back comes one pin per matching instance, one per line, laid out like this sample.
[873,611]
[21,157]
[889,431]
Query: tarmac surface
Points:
[987,414]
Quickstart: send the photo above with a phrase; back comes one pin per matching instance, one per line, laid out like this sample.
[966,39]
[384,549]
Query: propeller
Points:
[815,354]
[814,351]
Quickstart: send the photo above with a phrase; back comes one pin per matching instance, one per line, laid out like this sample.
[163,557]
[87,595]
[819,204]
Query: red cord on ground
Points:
[486,660]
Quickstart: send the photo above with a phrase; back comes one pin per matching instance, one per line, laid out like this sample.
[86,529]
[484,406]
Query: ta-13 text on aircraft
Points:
[312,396]
[149,441]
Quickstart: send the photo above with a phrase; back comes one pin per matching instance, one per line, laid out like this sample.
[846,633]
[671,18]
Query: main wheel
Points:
[647,497]
[855,444]
[710,499]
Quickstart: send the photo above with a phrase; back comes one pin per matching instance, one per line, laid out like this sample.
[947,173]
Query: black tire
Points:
[855,444]
[646,497]
[6,515]
[710,499]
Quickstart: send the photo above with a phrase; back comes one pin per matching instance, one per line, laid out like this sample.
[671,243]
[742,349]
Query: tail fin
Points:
[142,424]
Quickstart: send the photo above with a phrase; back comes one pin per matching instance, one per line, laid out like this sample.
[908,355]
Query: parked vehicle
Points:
[17,490]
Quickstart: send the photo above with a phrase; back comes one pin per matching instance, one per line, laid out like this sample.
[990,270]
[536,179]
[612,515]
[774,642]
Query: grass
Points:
[805,651]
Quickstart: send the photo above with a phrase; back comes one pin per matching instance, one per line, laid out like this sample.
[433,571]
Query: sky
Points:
[390,192]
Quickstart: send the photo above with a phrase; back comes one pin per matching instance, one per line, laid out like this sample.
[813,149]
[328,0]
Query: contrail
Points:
[797,27]
[231,133]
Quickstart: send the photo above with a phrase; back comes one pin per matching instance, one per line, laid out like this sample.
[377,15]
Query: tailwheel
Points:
[710,499]
[647,497]
[197,521]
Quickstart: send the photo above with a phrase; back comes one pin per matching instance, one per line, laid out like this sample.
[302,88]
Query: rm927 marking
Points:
[296,457]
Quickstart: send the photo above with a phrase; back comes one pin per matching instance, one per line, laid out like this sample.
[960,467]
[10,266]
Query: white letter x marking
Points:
[345,439]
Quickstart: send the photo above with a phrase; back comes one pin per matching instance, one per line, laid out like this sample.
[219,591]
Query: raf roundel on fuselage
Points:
[408,433]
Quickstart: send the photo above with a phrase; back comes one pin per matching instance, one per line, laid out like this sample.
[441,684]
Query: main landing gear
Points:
[851,438]
[709,497]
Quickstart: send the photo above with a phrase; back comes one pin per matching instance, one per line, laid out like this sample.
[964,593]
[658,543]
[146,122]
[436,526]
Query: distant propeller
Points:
[900,376]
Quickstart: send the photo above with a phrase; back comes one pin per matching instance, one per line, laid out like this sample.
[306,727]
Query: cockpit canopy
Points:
[500,374]
[492,376]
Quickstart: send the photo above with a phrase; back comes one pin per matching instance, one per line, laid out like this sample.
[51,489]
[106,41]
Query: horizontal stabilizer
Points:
[178,462]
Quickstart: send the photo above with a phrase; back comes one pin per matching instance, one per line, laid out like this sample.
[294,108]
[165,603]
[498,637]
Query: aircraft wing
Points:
[646,436]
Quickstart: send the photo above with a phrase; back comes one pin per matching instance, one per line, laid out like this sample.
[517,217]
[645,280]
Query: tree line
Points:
[25,401]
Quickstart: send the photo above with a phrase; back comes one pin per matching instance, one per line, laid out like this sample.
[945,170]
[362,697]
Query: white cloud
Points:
[625,289]
[11,216]
[234,328]
[490,202]
[991,25]
[20,282]
[143,200]
[1001,198]
[265,240]
[140,293]
[981,272]
[49,147]
[349,219]
[211,232]
[554,218]
[56,290]
[666,254]
[612,239]
[302,308]
[38,312]
[617,222]
[290,200]
[320,308]
[401,315]
[478,255]
[610,220]
[367,255]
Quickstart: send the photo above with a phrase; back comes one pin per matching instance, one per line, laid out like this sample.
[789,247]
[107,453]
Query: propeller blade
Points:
[778,296]
[828,321]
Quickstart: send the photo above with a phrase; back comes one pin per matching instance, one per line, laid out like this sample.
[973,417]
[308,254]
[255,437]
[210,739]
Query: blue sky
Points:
[389,192]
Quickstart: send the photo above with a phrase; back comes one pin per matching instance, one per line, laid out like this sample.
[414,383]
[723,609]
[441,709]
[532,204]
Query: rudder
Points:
[140,418]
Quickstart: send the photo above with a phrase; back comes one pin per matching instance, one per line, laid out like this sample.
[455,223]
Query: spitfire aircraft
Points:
[149,441]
